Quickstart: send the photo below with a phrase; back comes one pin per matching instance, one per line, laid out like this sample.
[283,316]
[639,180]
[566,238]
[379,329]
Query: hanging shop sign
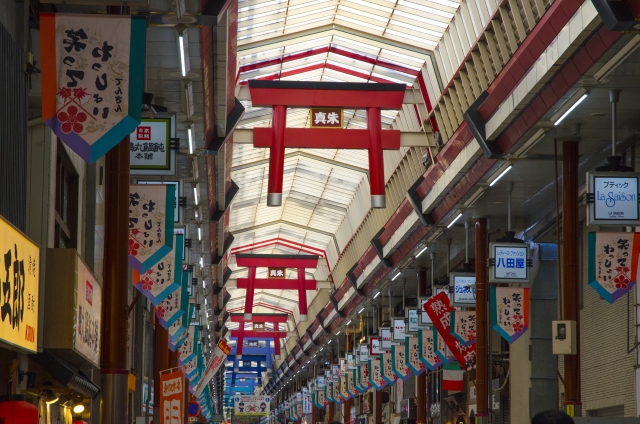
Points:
[463,326]
[320,383]
[412,355]
[412,326]
[374,346]
[344,389]
[87,322]
[363,353]
[509,263]
[150,145]
[439,310]
[386,363]
[328,392]
[171,397]
[351,388]
[276,272]
[335,372]
[150,224]
[509,311]
[612,198]
[375,371]
[175,201]
[399,362]
[92,79]
[423,318]
[464,289]
[259,326]
[252,405]
[218,358]
[398,330]
[613,263]
[350,361]
[365,378]
[20,257]
[321,398]
[163,278]
[427,350]
[326,117]
[385,338]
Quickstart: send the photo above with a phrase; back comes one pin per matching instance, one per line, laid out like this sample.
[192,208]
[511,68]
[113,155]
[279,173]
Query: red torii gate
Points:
[241,333]
[301,284]
[283,94]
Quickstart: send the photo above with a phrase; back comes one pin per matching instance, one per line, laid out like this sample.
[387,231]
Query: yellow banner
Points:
[19,284]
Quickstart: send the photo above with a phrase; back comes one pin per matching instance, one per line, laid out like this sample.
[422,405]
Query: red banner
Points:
[171,396]
[439,310]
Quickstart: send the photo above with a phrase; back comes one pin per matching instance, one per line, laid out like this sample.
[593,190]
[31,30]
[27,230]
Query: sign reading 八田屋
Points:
[612,198]
[20,257]
[511,263]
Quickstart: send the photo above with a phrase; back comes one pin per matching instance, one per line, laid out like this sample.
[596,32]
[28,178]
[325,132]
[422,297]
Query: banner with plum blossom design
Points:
[164,277]
[463,326]
[427,349]
[613,263]
[386,363]
[440,348]
[399,362]
[174,307]
[377,381]
[509,311]
[439,310]
[92,79]
[150,224]
[412,354]
[187,350]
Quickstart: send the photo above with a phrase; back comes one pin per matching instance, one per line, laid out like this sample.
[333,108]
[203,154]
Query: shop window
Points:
[66,203]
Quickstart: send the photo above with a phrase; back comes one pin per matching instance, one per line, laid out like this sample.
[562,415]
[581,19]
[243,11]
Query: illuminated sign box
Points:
[509,263]
[20,304]
[612,198]
[464,289]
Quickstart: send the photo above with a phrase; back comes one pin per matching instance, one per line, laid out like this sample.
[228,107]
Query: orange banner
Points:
[171,397]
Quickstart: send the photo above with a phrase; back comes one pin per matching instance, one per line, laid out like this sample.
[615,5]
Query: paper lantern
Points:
[18,412]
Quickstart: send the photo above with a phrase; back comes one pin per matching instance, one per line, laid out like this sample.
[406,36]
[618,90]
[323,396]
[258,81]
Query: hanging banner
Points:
[427,351]
[442,351]
[171,397]
[150,224]
[92,79]
[351,386]
[509,311]
[306,403]
[191,367]
[187,351]
[328,392]
[463,326]
[252,405]
[613,263]
[344,389]
[375,372]
[439,311]
[386,363]
[364,377]
[174,309]
[412,355]
[219,355]
[322,400]
[163,278]
[20,283]
[399,362]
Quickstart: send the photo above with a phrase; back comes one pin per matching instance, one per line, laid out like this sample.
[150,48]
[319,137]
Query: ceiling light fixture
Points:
[575,105]
[196,197]
[377,294]
[502,174]
[191,135]
[454,220]
[422,251]
[396,276]
[78,409]
[360,311]
[349,322]
[199,234]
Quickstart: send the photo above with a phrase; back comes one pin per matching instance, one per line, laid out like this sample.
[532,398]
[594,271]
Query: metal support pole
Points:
[377,408]
[302,295]
[432,255]
[248,301]
[331,410]
[614,96]
[571,271]
[276,156]
[160,363]
[376,165]
[347,403]
[421,380]
[482,279]
[113,360]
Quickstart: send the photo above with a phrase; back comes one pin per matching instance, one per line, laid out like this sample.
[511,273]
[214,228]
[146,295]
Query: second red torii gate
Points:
[276,334]
[371,97]
[300,284]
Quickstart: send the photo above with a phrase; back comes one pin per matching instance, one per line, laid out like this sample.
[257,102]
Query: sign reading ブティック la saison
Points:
[92,79]
[612,198]
[19,287]
[149,145]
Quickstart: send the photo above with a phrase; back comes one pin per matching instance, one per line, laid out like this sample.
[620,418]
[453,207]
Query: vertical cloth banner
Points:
[509,311]
[438,309]
[412,355]
[386,363]
[150,224]
[171,396]
[399,362]
[177,303]
[463,326]
[163,278]
[427,349]
[92,79]
[219,355]
[188,350]
[452,377]
[613,263]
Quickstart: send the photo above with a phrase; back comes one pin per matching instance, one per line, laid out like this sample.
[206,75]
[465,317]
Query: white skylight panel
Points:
[361,23]
[358,45]
[431,10]
[302,63]
[413,27]
[391,79]
[263,55]
[380,17]
[447,3]
[421,19]
[372,5]
[247,35]
[363,69]
[307,45]
[256,16]
[257,6]
[411,37]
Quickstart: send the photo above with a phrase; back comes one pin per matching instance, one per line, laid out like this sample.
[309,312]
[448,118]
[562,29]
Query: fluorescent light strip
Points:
[575,105]
[454,220]
[377,294]
[199,233]
[422,251]
[349,322]
[397,275]
[195,195]
[500,176]
[337,333]
[183,66]
[360,311]
[190,135]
